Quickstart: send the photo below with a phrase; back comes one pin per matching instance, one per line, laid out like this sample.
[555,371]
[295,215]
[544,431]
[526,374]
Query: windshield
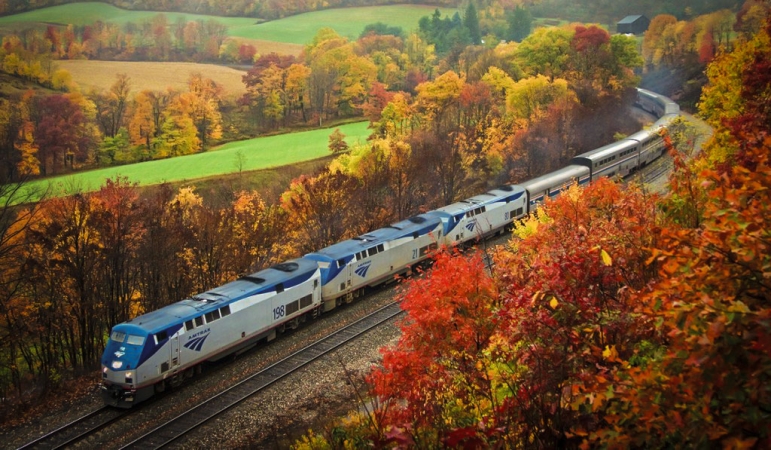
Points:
[135,340]
[118,336]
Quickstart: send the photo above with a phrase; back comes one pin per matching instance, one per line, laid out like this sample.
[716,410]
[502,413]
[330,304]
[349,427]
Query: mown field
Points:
[348,22]
[155,76]
[89,12]
[241,156]
[298,29]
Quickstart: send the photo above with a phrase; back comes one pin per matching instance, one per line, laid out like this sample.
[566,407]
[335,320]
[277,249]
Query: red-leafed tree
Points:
[61,133]
[439,358]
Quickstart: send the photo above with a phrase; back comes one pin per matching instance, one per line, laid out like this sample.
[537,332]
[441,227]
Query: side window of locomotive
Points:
[189,325]
[199,321]
[225,311]
[160,337]
[212,316]
[118,336]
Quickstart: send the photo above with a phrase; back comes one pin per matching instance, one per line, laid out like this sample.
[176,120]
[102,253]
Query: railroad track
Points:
[178,427]
[78,429]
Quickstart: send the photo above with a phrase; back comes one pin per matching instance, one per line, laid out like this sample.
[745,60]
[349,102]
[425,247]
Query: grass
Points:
[87,13]
[298,29]
[348,22]
[234,157]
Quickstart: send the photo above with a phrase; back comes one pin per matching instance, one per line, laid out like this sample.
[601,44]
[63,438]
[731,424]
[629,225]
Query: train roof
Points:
[290,273]
[555,178]
[503,193]
[606,150]
[420,224]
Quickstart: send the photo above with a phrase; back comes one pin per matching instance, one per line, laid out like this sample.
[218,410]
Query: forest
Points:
[450,117]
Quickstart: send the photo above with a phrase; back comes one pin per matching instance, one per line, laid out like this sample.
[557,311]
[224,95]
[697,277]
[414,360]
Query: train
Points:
[159,349]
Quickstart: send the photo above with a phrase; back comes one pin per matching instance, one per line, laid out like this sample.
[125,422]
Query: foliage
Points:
[520,23]
[86,262]
[337,142]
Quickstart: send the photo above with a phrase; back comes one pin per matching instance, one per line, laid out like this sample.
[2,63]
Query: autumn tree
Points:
[450,313]
[546,52]
[202,104]
[61,133]
[337,142]
[147,119]
[314,217]
[111,106]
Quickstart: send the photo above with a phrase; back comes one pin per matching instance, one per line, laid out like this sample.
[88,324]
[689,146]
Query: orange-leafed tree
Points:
[315,218]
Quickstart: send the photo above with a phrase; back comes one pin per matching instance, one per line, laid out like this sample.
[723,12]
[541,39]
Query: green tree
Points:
[471,22]
[520,22]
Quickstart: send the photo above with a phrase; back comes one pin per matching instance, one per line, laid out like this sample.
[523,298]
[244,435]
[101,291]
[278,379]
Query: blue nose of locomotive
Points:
[124,349]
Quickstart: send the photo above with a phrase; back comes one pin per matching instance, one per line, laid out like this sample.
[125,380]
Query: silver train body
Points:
[161,348]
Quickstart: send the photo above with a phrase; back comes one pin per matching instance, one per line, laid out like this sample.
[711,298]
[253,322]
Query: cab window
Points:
[135,340]
[118,336]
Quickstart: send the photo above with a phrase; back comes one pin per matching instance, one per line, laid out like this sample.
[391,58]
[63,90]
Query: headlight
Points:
[117,364]
[129,379]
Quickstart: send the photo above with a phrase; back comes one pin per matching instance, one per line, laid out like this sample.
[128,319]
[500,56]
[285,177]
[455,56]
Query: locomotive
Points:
[160,349]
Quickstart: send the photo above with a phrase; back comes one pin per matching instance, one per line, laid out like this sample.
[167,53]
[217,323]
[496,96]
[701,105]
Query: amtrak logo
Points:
[470,226]
[362,269]
[120,352]
[196,343]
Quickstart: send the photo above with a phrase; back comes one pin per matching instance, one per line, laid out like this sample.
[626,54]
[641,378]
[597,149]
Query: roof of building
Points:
[630,19]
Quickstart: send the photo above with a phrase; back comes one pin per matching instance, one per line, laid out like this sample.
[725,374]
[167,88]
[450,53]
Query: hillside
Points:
[100,75]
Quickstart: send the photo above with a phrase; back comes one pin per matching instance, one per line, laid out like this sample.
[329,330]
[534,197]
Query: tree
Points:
[201,104]
[147,120]
[451,314]
[529,98]
[471,22]
[546,52]
[337,142]
[314,219]
[520,22]
[61,133]
[439,101]
[111,107]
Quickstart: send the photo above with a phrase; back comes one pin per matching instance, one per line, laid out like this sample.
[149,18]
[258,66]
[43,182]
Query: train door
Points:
[175,359]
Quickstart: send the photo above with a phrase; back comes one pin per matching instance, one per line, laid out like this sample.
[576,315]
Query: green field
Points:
[298,29]
[348,22]
[249,155]
[90,12]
